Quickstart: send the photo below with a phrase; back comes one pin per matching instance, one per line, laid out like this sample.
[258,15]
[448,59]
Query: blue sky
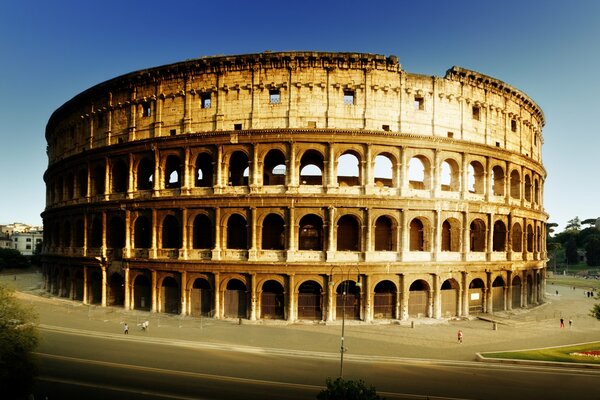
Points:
[52,50]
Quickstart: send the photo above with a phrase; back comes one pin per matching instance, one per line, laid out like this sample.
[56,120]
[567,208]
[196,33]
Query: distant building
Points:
[21,237]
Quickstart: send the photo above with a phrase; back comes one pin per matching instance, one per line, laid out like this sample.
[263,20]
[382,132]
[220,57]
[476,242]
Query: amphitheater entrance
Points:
[65,284]
[78,292]
[516,292]
[347,301]
[115,295]
[310,304]
[450,298]
[272,301]
[235,299]
[384,300]
[170,296]
[476,290]
[418,299]
[529,296]
[142,294]
[201,299]
[498,294]
[95,288]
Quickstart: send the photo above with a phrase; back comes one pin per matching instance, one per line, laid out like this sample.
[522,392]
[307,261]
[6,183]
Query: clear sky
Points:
[52,50]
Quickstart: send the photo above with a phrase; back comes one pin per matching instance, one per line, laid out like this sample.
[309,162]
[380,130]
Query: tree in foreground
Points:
[11,258]
[341,389]
[18,339]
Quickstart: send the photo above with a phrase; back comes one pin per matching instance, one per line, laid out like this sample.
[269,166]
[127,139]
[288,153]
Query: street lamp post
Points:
[345,279]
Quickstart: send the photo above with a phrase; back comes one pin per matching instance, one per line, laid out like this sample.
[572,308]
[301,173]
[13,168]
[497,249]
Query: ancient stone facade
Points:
[296,186]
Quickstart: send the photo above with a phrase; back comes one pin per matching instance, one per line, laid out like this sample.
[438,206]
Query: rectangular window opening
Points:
[497,144]
[146,110]
[513,125]
[476,113]
[205,100]
[385,128]
[237,127]
[451,134]
[349,97]
[312,124]
[274,96]
[173,132]
[419,103]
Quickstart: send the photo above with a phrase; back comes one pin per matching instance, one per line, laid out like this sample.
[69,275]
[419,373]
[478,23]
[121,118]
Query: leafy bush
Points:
[596,311]
[11,258]
[341,389]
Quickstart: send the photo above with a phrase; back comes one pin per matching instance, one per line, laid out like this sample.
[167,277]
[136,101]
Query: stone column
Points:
[292,314]
[184,293]
[330,298]
[489,300]
[188,178]
[128,233]
[331,247]
[253,252]
[404,299]
[154,251]
[85,285]
[291,230]
[216,252]
[217,294]
[465,298]
[464,173]
[104,285]
[437,297]
[490,236]
[127,287]
[253,297]
[131,181]
[330,175]
[107,179]
[368,242]
[509,289]
[368,180]
[157,178]
[154,292]
[292,177]
[466,242]
[368,296]
[184,233]
[104,234]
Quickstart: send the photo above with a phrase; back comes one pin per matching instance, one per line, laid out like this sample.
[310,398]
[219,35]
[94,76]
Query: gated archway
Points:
[142,294]
[516,292]
[95,287]
[384,300]
[66,283]
[529,295]
[235,299]
[78,295]
[347,301]
[498,294]
[170,296]
[272,301]
[310,301]
[476,291]
[201,298]
[418,299]
[115,295]
[450,298]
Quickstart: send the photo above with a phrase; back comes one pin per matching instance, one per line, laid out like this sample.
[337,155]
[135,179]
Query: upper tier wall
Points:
[344,91]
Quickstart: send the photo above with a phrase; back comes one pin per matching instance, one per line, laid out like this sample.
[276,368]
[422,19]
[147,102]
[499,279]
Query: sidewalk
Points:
[429,339]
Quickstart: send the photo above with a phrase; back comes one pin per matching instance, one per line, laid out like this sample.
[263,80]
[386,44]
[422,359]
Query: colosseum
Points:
[297,186]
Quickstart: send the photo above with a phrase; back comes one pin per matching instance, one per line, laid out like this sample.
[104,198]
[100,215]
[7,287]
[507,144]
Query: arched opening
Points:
[119,176]
[201,298]
[476,291]
[517,238]
[238,163]
[527,188]
[235,299]
[498,294]
[450,176]
[115,295]
[418,173]
[94,287]
[529,239]
[274,168]
[451,235]
[384,172]
[384,234]
[143,233]
[145,174]
[348,172]
[529,294]
[78,292]
[310,302]
[96,233]
[65,283]
[384,300]
[116,233]
[475,177]
[173,169]
[58,189]
[82,182]
[417,235]
[499,239]
[66,234]
[478,235]
[311,168]
[536,191]
[79,233]
[418,299]
[515,184]
[498,181]
[347,301]
[237,233]
[538,239]
[170,296]
[348,235]
[142,293]
[450,298]
[273,233]
[272,300]
[98,180]
[310,233]
[171,233]
[70,186]
[203,236]
[516,292]
[204,171]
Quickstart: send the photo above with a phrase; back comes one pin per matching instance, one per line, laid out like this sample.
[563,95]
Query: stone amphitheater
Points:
[297,186]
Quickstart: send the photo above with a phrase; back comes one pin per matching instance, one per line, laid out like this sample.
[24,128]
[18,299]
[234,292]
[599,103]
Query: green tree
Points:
[341,389]
[571,252]
[596,311]
[573,224]
[592,250]
[18,339]
[589,221]
[11,258]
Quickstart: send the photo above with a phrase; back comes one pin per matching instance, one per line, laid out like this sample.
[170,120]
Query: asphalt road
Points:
[75,365]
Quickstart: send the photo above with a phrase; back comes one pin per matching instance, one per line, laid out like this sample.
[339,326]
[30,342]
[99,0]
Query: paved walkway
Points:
[428,339]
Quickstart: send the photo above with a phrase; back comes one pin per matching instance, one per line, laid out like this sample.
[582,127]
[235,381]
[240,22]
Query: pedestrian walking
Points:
[562,323]
[126,329]
[460,336]
[570,322]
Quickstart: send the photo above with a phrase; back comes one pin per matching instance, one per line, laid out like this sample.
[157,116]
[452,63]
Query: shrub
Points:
[341,389]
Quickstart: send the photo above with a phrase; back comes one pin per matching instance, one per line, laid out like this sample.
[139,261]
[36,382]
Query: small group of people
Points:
[143,326]
[562,322]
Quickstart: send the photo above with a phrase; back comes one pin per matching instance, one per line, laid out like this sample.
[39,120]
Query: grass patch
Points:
[556,354]
[569,280]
